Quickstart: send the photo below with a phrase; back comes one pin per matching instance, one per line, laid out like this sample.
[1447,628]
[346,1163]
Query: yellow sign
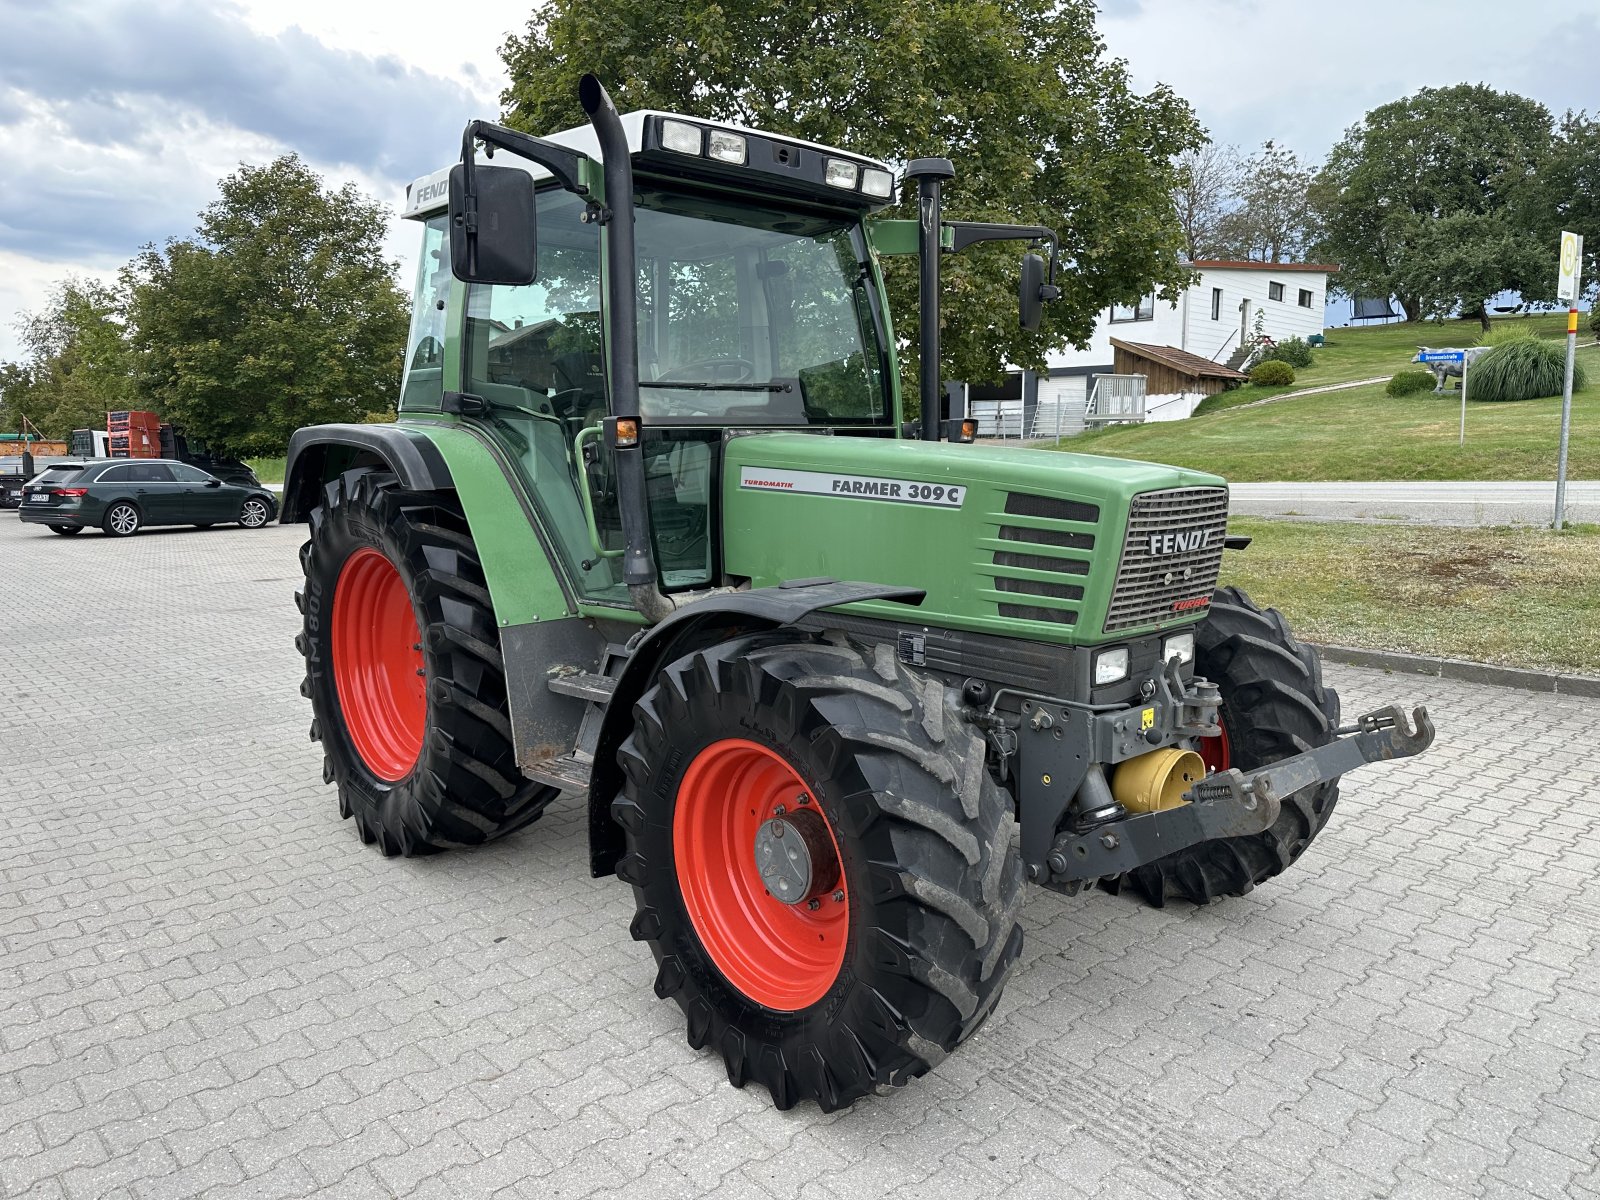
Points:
[1147,719]
[1571,267]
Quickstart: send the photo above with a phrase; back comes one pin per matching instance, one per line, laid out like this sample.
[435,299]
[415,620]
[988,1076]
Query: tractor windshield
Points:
[754,317]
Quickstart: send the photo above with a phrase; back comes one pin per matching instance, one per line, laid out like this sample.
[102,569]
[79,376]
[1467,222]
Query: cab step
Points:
[570,772]
[584,685]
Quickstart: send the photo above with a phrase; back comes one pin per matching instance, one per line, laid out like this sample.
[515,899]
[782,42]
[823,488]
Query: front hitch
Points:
[1235,803]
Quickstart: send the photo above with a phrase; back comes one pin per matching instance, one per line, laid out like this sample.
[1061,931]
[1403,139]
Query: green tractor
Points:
[649,527]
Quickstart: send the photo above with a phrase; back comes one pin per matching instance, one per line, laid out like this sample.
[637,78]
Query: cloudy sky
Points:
[117,117]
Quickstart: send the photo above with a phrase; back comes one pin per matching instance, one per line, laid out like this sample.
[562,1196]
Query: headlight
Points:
[877,183]
[1179,646]
[680,136]
[1111,666]
[839,173]
[726,147]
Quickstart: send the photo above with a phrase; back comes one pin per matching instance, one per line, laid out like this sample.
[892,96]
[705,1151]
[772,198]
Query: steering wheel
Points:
[711,370]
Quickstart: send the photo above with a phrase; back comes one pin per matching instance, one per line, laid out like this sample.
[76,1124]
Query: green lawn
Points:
[268,470]
[1360,433]
[1521,597]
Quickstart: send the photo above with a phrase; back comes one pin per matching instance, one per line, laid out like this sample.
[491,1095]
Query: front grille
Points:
[1188,525]
[1033,544]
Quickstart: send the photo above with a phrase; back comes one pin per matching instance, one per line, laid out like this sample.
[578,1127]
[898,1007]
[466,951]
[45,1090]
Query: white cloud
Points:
[1302,73]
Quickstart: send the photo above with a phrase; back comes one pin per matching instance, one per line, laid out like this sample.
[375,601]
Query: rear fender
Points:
[704,623]
[533,608]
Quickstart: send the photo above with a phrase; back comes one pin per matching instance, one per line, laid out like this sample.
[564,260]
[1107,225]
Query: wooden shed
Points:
[1168,370]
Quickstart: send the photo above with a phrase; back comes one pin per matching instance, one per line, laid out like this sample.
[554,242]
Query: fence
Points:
[1115,398]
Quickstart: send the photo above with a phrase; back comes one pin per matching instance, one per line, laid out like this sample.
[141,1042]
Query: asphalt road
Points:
[1522,503]
[208,986]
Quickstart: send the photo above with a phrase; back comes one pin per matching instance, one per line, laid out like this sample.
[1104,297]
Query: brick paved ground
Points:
[207,985]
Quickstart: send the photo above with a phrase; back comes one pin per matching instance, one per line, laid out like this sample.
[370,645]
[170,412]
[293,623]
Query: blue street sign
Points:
[1441,356]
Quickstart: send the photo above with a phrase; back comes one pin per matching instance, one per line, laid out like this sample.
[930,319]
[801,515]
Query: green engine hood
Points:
[986,531]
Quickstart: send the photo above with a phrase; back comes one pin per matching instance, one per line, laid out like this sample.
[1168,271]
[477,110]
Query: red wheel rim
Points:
[782,956]
[1216,752]
[377,665]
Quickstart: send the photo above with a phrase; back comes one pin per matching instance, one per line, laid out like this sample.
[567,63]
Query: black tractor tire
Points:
[116,523]
[1274,705]
[66,530]
[464,787]
[928,859]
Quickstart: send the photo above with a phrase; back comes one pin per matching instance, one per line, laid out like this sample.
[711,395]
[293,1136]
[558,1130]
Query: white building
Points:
[1215,320]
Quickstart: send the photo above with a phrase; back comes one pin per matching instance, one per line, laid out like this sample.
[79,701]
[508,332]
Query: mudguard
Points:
[713,619]
[409,453]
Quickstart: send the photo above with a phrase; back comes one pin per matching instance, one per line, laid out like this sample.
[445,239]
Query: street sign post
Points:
[1567,289]
[1451,356]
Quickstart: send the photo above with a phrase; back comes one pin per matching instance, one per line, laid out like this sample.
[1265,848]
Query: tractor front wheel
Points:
[823,866]
[404,673]
[1274,705]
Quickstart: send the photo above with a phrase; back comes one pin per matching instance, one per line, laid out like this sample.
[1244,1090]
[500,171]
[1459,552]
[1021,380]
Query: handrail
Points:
[578,440]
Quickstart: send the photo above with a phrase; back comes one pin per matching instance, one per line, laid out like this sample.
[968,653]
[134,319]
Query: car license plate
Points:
[43,498]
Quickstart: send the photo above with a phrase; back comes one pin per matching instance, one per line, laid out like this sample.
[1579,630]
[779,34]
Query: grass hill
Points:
[1361,433]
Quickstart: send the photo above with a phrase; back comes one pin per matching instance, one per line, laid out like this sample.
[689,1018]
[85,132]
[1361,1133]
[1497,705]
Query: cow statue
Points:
[1448,370]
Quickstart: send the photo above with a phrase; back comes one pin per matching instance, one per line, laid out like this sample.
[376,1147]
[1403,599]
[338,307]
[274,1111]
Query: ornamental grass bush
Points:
[1409,383]
[1271,373]
[1520,366]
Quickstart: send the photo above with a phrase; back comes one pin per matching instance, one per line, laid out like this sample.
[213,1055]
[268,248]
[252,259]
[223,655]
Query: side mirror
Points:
[1030,292]
[492,226]
[213,483]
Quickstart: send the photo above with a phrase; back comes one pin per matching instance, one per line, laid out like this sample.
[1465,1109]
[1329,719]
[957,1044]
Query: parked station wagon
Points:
[122,496]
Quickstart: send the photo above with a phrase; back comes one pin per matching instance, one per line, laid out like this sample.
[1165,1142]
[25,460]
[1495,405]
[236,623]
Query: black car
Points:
[123,495]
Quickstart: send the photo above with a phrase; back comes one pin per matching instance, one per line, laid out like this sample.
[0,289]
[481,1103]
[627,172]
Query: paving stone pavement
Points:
[208,986]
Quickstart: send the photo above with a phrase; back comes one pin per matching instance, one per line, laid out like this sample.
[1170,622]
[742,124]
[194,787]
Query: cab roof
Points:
[429,194]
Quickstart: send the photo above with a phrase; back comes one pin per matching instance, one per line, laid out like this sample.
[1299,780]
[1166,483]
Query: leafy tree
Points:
[1043,128]
[1568,195]
[281,311]
[1465,153]
[79,366]
[1206,192]
[1273,219]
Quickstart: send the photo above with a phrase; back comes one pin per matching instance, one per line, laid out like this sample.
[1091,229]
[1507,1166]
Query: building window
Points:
[1274,291]
[1305,298]
[1145,310]
[1216,304]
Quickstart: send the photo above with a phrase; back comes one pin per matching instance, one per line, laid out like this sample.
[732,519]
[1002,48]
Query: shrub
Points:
[1521,367]
[1409,383]
[1271,373]
[1294,351]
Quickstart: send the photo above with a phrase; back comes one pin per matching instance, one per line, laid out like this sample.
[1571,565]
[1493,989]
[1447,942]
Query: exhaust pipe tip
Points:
[592,94]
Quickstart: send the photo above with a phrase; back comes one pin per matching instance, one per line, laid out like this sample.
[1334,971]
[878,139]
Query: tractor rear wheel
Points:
[823,866]
[404,673]
[1274,705]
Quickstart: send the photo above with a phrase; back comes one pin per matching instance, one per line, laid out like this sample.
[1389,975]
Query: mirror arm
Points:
[561,162]
[967,233]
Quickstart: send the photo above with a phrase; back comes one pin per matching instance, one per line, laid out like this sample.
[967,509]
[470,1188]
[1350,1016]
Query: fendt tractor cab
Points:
[649,527]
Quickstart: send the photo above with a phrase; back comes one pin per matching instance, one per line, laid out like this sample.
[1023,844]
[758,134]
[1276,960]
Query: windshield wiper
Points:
[721,387]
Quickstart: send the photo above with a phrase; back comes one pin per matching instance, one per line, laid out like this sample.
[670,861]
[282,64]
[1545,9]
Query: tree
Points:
[1043,128]
[280,312]
[1568,195]
[1206,191]
[1272,221]
[78,367]
[1461,152]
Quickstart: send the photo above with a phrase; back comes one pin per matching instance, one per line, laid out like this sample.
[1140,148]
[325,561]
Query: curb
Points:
[1469,672]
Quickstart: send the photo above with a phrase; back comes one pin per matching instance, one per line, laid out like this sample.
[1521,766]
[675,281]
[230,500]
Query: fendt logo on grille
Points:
[1163,544]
